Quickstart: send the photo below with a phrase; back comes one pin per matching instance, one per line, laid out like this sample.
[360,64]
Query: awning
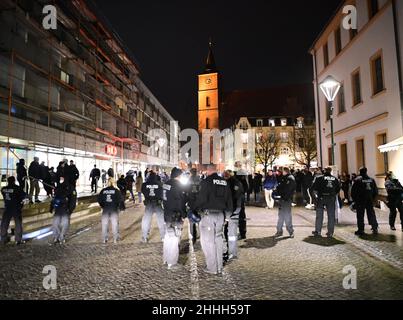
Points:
[392,146]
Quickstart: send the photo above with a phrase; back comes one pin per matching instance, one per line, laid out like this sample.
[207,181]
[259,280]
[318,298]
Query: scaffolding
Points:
[78,79]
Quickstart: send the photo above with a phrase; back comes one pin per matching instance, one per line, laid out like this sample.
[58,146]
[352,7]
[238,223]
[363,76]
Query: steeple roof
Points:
[210,62]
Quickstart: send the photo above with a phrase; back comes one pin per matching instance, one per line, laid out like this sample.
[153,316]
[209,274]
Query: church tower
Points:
[208,94]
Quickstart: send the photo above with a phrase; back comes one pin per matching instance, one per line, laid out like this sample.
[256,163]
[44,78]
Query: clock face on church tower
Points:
[208,81]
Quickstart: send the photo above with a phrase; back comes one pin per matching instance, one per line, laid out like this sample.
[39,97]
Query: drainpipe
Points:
[398,55]
[318,102]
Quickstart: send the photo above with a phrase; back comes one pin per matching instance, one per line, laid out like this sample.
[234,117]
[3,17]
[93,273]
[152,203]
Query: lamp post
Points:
[330,88]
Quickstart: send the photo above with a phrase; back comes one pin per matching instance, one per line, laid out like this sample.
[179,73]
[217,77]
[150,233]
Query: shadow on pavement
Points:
[262,243]
[323,241]
[379,238]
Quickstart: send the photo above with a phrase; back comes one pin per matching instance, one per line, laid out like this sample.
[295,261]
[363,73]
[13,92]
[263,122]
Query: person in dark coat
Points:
[73,174]
[95,175]
[395,198]
[129,182]
[306,184]
[122,185]
[46,179]
[257,186]
[22,175]
[35,174]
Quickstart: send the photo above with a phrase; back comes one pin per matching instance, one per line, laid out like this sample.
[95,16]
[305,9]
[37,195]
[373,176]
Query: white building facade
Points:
[368,108]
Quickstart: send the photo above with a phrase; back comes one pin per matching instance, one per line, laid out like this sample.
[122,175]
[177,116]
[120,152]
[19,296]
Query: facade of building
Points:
[279,142]
[368,109]
[74,92]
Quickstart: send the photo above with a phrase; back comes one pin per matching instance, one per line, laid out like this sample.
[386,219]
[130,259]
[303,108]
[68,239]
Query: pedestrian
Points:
[395,197]
[73,174]
[46,179]
[94,177]
[192,193]
[13,196]
[103,177]
[269,184]
[215,203]
[60,171]
[139,184]
[22,175]
[232,224]
[257,186]
[152,190]
[122,186]
[110,199]
[34,172]
[345,187]
[129,183]
[146,172]
[61,206]
[326,187]
[306,184]
[285,190]
[111,173]
[241,176]
[364,192]
[174,204]
[250,187]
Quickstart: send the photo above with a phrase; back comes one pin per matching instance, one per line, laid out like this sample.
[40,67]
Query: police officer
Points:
[326,187]
[364,192]
[192,193]
[285,190]
[13,196]
[60,205]
[395,197]
[215,203]
[110,199]
[231,228]
[152,190]
[174,204]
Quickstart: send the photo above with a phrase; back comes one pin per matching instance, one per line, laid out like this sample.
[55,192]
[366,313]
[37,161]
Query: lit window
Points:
[64,77]
[283,122]
[259,123]
[272,123]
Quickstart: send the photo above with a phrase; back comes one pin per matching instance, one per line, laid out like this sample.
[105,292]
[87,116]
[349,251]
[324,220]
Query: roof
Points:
[290,101]
[210,62]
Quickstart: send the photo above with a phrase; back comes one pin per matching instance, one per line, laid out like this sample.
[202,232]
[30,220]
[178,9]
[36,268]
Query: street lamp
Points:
[330,88]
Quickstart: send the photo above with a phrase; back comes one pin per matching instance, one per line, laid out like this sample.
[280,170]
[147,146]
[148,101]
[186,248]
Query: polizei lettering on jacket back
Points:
[220,182]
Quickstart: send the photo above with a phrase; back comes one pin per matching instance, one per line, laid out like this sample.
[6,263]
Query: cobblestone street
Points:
[300,268]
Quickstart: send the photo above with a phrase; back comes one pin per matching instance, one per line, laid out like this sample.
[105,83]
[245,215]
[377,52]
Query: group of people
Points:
[321,190]
[29,180]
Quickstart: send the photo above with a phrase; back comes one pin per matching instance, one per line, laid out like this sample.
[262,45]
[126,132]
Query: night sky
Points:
[257,43]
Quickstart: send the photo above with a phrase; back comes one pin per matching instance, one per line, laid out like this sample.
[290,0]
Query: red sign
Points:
[111,150]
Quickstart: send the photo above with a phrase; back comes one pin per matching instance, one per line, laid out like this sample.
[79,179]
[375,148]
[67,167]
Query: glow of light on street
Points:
[330,88]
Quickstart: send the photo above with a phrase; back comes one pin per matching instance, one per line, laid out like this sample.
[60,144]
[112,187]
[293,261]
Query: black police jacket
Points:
[364,190]
[152,191]
[326,185]
[13,196]
[34,170]
[62,199]
[109,199]
[174,201]
[215,194]
[287,187]
[193,191]
[237,193]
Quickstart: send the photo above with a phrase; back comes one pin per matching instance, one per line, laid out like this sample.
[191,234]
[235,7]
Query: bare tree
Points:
[267,149]
[302,144]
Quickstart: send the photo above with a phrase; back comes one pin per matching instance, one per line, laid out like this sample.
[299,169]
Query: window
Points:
[330,156]
[360,151]
[326,55]
[300,123]
[284,136]
[259,123]
[344,157]
[207,123]
[207,101]
[377,74]
[373,8]
[285,151]
[382,159]
[301,143]
[272,123]
[283,122]
[341,100]
[245,153]
[356,85]
[64,77]
[337,36]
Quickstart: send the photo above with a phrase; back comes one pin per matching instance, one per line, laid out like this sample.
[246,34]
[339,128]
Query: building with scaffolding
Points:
[74,92]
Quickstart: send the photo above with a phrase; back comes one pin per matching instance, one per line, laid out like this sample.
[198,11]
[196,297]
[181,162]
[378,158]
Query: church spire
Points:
[210,63]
